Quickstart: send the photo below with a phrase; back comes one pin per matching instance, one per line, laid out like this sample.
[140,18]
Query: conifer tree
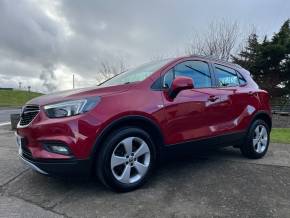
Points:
[269,61]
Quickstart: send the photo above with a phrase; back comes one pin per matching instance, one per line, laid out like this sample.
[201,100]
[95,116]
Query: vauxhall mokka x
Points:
[119,129]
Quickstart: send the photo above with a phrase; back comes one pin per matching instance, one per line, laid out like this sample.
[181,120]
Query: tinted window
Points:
[197,70]
[226,76]
[167,79]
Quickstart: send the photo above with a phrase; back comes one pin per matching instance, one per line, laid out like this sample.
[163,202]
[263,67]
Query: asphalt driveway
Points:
[5,114]
[213,184]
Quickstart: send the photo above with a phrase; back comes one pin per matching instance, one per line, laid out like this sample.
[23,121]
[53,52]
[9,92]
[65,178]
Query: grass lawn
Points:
[280,135]
[14,98]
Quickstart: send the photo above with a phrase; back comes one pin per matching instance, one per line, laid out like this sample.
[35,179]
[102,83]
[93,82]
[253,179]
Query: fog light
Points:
[57,148]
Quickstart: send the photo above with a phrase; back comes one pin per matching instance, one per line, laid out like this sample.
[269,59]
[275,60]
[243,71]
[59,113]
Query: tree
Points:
[249,56]
[269,61]
[111,68]
[218,41]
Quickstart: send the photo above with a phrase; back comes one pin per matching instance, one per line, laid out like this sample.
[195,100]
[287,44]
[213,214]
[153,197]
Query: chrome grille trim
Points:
[29,112]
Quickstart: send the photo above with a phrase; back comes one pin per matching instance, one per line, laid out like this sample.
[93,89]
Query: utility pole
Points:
[73,81]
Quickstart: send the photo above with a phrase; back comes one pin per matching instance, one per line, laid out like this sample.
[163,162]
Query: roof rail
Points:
[213,58]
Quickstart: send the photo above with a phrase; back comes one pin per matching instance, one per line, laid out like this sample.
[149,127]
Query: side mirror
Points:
[179,83]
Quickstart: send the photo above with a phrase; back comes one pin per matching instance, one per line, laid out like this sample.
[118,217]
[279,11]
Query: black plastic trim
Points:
[62,168]
[116,123]
[224,140]
[259,113]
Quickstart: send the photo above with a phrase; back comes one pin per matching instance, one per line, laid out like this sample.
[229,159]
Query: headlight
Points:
[71,108]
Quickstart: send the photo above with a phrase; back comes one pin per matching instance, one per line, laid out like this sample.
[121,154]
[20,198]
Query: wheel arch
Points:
[138,121]
[263,115]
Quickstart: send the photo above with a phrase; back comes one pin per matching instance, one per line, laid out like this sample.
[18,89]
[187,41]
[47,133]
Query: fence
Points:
[281,108]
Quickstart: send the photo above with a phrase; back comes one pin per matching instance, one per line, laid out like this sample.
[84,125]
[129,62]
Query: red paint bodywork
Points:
[193,114]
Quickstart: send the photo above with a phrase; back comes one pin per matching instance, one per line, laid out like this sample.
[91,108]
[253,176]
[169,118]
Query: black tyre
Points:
[126,159]
[257,140]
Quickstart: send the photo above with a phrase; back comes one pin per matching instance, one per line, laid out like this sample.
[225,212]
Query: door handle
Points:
[213,98]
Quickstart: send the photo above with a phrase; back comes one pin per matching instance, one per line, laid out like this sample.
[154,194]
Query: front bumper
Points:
[78,133]
[60,168]
[55,167]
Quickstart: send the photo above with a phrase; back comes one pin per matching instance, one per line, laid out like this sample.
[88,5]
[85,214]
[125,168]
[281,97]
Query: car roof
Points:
[216,60]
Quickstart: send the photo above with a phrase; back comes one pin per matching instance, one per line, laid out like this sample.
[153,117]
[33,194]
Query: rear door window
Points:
[226,77]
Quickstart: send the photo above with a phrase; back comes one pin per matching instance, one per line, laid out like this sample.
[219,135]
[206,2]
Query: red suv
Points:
[118,130]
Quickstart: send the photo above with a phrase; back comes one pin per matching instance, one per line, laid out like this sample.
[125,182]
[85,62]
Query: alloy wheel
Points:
[260,139]
[130,160]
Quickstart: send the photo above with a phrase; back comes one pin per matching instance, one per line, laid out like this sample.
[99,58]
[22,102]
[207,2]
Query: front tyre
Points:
[257,141]
[126,160]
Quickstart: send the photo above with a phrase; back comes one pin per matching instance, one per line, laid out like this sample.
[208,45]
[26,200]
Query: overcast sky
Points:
[42,43]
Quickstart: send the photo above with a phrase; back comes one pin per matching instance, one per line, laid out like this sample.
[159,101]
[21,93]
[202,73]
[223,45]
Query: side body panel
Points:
[192,116]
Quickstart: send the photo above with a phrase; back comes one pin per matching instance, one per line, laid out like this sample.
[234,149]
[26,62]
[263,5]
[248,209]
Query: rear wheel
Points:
[126,159]
[257,141]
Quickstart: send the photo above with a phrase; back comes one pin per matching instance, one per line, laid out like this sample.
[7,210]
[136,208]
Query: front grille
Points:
[29,112]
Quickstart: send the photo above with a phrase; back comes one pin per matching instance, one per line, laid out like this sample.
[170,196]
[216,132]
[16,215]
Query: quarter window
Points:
[226,76]
[168,78]
[242,80]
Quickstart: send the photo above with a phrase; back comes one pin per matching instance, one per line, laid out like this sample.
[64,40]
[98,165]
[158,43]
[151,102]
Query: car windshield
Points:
[135,75]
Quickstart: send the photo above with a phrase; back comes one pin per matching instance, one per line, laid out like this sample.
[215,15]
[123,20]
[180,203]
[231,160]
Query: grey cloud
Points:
[27,33]
[48,77]
[12,66]
[32,44]
[147,28]
[29,41]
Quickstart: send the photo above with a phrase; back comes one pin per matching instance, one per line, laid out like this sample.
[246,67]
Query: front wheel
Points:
[257,141]
[126,159]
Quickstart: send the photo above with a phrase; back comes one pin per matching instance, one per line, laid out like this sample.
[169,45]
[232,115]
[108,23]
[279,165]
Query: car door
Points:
[247,103]
[193,113]
[231,89]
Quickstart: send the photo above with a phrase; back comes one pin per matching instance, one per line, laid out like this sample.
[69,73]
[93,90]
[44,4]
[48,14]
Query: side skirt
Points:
[233,139]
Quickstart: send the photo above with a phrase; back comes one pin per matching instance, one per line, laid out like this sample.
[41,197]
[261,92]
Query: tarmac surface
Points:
[218,183]
[5,114]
